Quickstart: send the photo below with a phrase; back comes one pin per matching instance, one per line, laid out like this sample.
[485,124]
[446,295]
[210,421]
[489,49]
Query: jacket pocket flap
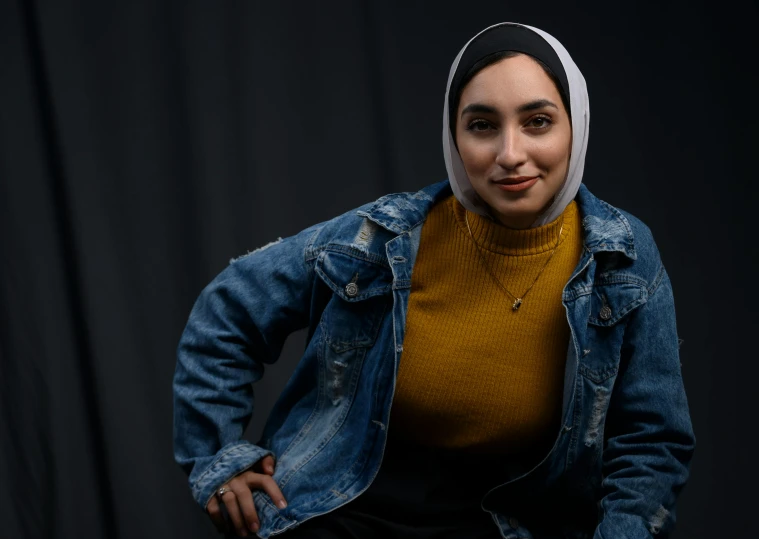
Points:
[353,278]
[609,303]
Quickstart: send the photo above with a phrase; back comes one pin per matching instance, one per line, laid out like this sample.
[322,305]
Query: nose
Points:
[511,149]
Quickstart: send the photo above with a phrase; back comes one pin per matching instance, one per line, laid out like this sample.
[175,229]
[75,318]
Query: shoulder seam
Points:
[311,252]
[654,286]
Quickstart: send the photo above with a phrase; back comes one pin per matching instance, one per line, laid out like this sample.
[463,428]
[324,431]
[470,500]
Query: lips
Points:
[517,179]
[519,183]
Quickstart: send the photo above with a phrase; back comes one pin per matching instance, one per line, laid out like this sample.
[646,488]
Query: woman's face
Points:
[514,137]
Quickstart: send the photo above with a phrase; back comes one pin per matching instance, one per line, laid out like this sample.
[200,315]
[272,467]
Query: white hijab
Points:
[578,102]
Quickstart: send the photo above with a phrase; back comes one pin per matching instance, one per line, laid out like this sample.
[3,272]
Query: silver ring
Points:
[222,491]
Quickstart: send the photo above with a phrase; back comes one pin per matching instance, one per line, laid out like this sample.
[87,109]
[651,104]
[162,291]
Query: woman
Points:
[531,358]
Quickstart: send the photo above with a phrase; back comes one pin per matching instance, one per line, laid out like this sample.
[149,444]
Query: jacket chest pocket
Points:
[610,304]
[610,307]
[351,321]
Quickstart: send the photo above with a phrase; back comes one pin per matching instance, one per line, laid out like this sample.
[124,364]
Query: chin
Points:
[518,208]
[523,210]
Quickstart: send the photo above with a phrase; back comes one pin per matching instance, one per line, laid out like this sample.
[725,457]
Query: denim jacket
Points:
[623,449]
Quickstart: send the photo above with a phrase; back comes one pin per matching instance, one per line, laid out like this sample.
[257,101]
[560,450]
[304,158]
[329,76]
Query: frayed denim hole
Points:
[262,248]
[336,382]
[657,520]
[598,412]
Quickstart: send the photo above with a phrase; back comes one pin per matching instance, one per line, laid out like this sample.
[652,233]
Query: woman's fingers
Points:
[217,517]
[233,509]
[265,465]
[268,485]
[238,500]
[245,501]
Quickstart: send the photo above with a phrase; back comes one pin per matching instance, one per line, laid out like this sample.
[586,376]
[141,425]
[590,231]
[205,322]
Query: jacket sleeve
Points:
[650,439]
[238,323]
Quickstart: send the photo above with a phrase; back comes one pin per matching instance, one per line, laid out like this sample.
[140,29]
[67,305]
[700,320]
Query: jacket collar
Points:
[606,229]
[400,212]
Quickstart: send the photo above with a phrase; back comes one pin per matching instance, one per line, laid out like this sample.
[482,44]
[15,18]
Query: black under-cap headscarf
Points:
[501,39]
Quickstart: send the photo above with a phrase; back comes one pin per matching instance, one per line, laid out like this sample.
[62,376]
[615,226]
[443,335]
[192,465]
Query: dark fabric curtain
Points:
[144,144]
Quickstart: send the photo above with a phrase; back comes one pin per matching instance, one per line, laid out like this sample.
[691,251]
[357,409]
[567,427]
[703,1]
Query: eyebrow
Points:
[487,109]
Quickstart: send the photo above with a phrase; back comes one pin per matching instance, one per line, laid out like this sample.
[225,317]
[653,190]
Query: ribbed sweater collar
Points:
[495,237]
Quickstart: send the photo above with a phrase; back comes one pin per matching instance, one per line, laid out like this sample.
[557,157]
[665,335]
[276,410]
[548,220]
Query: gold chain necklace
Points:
[517,300]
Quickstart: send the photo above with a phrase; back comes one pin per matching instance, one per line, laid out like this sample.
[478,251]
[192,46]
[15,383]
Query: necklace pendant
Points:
[517,304]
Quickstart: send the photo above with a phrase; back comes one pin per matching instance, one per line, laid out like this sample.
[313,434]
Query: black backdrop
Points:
[143,144]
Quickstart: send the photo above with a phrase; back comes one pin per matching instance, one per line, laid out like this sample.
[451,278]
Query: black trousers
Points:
[418,493]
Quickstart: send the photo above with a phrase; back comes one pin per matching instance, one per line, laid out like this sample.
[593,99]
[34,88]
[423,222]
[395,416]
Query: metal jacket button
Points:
[351,289]
[605,313]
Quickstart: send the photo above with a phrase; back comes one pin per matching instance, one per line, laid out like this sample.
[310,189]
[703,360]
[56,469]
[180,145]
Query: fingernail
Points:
[255,526]
[281,504]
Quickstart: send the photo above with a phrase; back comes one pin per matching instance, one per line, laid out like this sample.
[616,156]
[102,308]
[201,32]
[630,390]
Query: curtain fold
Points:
[144,144]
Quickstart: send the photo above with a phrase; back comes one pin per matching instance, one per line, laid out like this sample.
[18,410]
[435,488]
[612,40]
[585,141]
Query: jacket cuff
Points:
[229,461]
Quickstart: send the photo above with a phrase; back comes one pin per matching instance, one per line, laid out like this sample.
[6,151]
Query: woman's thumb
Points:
[267,464]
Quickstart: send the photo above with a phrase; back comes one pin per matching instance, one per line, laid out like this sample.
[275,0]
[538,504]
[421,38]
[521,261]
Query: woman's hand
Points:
[239,499]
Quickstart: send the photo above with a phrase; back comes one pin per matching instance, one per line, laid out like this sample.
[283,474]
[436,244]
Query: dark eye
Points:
[478,125]
[543,122]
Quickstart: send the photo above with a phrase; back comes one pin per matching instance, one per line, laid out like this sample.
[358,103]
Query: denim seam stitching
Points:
[238,445]
[306,459]
[320,392]
[259,494]
[575,424]
[598,376]
[344,346]
[339,290]
[330,494]
[657,281]
[608,278]
[354,383]
[358,254]
[330,434]
[218,457]
[629,307]
[310,252]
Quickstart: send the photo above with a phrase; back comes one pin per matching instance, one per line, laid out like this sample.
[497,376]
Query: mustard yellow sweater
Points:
[474,374]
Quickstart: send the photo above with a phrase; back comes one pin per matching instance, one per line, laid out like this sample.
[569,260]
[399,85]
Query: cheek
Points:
[552,156]
[477,158]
